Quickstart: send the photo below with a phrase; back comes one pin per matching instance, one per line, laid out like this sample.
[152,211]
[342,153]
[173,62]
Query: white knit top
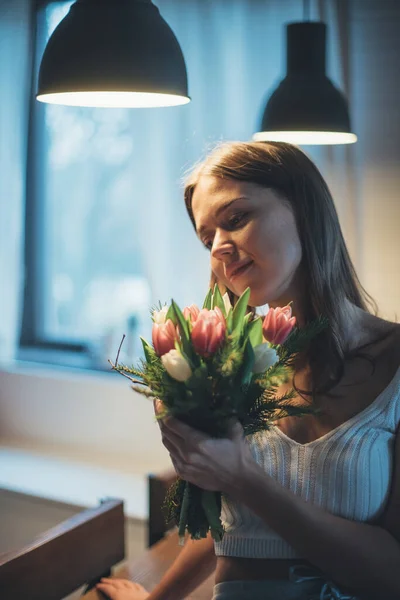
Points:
[347,472]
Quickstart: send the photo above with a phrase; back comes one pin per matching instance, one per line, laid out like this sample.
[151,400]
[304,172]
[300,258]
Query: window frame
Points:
[32,345]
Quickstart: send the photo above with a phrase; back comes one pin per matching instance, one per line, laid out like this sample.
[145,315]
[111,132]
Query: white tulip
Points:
[159,316]
[176,365]
[227,303]
[265,357]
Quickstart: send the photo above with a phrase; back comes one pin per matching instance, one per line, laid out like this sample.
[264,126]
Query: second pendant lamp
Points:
[306,108]
[113,53]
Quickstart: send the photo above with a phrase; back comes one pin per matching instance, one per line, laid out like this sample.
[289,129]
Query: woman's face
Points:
[252,237]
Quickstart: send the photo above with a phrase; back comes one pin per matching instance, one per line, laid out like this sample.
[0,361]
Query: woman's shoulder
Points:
[383,342]
[380,333]
[372,366]
[378,340]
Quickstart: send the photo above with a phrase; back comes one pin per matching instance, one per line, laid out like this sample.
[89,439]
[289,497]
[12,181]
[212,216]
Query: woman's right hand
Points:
[122,589]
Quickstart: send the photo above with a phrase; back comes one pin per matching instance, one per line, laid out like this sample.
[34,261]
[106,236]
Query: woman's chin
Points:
[258,304]
[257,299]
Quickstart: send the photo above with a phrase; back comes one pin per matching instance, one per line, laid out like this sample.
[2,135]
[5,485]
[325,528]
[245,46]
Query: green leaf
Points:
[229,322]
[184,512]
[246,370]
[148,350]
[181,321]
[254,332]
[208,300]
[246,319]
[239,311]
[198,379]
[184,331]
[212,511]
[217,300]
[171,315]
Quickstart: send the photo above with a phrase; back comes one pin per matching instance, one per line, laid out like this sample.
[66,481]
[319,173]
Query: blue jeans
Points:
[303,583]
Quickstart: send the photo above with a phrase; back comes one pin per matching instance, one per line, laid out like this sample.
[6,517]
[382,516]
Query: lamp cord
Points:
[306,10]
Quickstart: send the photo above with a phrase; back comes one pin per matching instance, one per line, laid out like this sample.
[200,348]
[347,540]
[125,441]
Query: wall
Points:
[375,68]
[88,416]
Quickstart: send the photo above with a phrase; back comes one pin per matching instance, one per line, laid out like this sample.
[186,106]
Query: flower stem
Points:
[212,509]
[184,514]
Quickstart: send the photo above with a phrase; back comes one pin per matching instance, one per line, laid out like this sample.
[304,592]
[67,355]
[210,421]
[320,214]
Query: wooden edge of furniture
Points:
[157,488]
[79,550]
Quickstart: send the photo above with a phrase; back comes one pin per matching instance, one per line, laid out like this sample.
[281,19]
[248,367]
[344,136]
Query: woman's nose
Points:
[222,247]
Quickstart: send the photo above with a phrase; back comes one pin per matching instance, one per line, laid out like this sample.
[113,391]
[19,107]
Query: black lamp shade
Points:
[110,49]
[306,105]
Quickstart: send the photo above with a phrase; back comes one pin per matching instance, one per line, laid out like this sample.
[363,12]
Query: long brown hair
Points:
[330,277]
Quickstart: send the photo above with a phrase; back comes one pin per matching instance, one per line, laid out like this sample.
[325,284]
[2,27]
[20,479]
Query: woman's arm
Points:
[364,558]
[195,563]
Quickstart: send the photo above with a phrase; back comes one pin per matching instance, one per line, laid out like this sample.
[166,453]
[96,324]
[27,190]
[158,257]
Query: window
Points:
[86,278]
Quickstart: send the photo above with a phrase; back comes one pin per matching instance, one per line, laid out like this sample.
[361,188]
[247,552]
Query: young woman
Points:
[311,507]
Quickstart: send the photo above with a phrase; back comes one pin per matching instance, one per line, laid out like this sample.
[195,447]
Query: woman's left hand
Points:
[121,589]
[210,463]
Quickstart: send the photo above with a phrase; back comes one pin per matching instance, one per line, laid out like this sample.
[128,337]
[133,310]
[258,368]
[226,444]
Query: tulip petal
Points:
[176,365]
[208,331]
[163,337]
[287,310]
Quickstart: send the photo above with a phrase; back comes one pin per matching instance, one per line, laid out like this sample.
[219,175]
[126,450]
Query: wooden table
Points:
[151,566]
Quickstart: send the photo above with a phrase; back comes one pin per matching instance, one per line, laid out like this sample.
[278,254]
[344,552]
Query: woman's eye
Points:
[236,219]
[233,222]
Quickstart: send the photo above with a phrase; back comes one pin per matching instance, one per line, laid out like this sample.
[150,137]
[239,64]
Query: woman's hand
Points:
[122,589]
[210,463]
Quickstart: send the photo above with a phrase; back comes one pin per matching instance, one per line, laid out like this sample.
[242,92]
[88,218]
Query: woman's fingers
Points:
[185,432]
[109,590]
[174,447]
[171,441]
[235,430]
[169,437]
[122,589]
[115,582]
[158,406]
[175,425]
[181,440]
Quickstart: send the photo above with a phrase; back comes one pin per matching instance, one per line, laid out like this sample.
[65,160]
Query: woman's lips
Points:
[239,270]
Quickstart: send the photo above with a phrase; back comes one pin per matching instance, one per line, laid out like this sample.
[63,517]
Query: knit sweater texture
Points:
[347,471]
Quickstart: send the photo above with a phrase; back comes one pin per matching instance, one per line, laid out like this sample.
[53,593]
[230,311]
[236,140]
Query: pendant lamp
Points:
[306,108]
[113,53]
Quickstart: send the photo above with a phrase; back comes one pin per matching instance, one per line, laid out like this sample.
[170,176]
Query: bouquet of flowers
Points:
[209,366]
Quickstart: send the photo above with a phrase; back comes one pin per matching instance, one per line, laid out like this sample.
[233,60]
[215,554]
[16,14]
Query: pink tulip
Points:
[191,312]
[164,336]
[277,324]
[208,331]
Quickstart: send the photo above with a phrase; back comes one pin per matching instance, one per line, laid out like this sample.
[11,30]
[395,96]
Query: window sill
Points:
[60,371]
[61,358]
